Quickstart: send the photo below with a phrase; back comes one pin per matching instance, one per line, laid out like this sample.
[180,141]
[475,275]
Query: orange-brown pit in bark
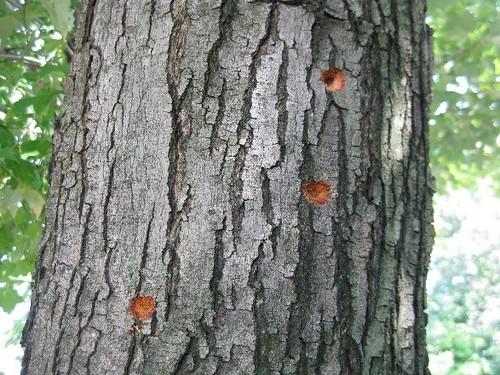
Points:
[317,192]
[142,307]
[333,79]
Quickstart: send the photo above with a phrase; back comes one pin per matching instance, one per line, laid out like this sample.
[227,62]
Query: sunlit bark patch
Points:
[317,192]
[142,307]
[333,79]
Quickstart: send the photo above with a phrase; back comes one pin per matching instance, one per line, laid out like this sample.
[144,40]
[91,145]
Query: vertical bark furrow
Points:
[423,70]
[237,201]
[220,116]
[152,13]
[244,293]
[145,252]
[84,35]
[218,269]
[130,355]
[180,122]
[262,339]
[341,243]
[227,13]
[285,187]
[80,336]
[281,104]
[106,248]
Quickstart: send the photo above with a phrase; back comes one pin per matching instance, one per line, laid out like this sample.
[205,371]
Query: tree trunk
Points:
[190,130]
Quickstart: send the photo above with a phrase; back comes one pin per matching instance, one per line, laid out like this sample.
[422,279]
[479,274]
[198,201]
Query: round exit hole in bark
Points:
[317,192]
[142,307]
[334,79]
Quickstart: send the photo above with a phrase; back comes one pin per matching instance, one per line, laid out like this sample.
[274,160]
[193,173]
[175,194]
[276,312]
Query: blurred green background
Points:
[463,286]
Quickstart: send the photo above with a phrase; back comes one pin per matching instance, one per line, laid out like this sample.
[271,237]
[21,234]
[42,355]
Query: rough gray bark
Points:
[190,127]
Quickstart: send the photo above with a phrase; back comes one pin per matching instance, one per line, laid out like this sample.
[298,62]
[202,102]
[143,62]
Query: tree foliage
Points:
[466,92]
[461,321]
[464,296]
[32,68]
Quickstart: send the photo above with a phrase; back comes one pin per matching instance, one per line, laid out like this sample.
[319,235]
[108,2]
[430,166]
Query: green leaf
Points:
[16,332]
[9,199]
[8,24]
[60,14]
[36,147]
[24,104]
[9,298]
[6,139]
[24,172]
[52,70]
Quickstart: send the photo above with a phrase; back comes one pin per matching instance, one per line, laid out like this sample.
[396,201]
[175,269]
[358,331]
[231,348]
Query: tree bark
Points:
[190,128]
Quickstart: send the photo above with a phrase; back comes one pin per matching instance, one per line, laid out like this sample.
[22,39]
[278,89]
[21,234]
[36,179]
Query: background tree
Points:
[189,131]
